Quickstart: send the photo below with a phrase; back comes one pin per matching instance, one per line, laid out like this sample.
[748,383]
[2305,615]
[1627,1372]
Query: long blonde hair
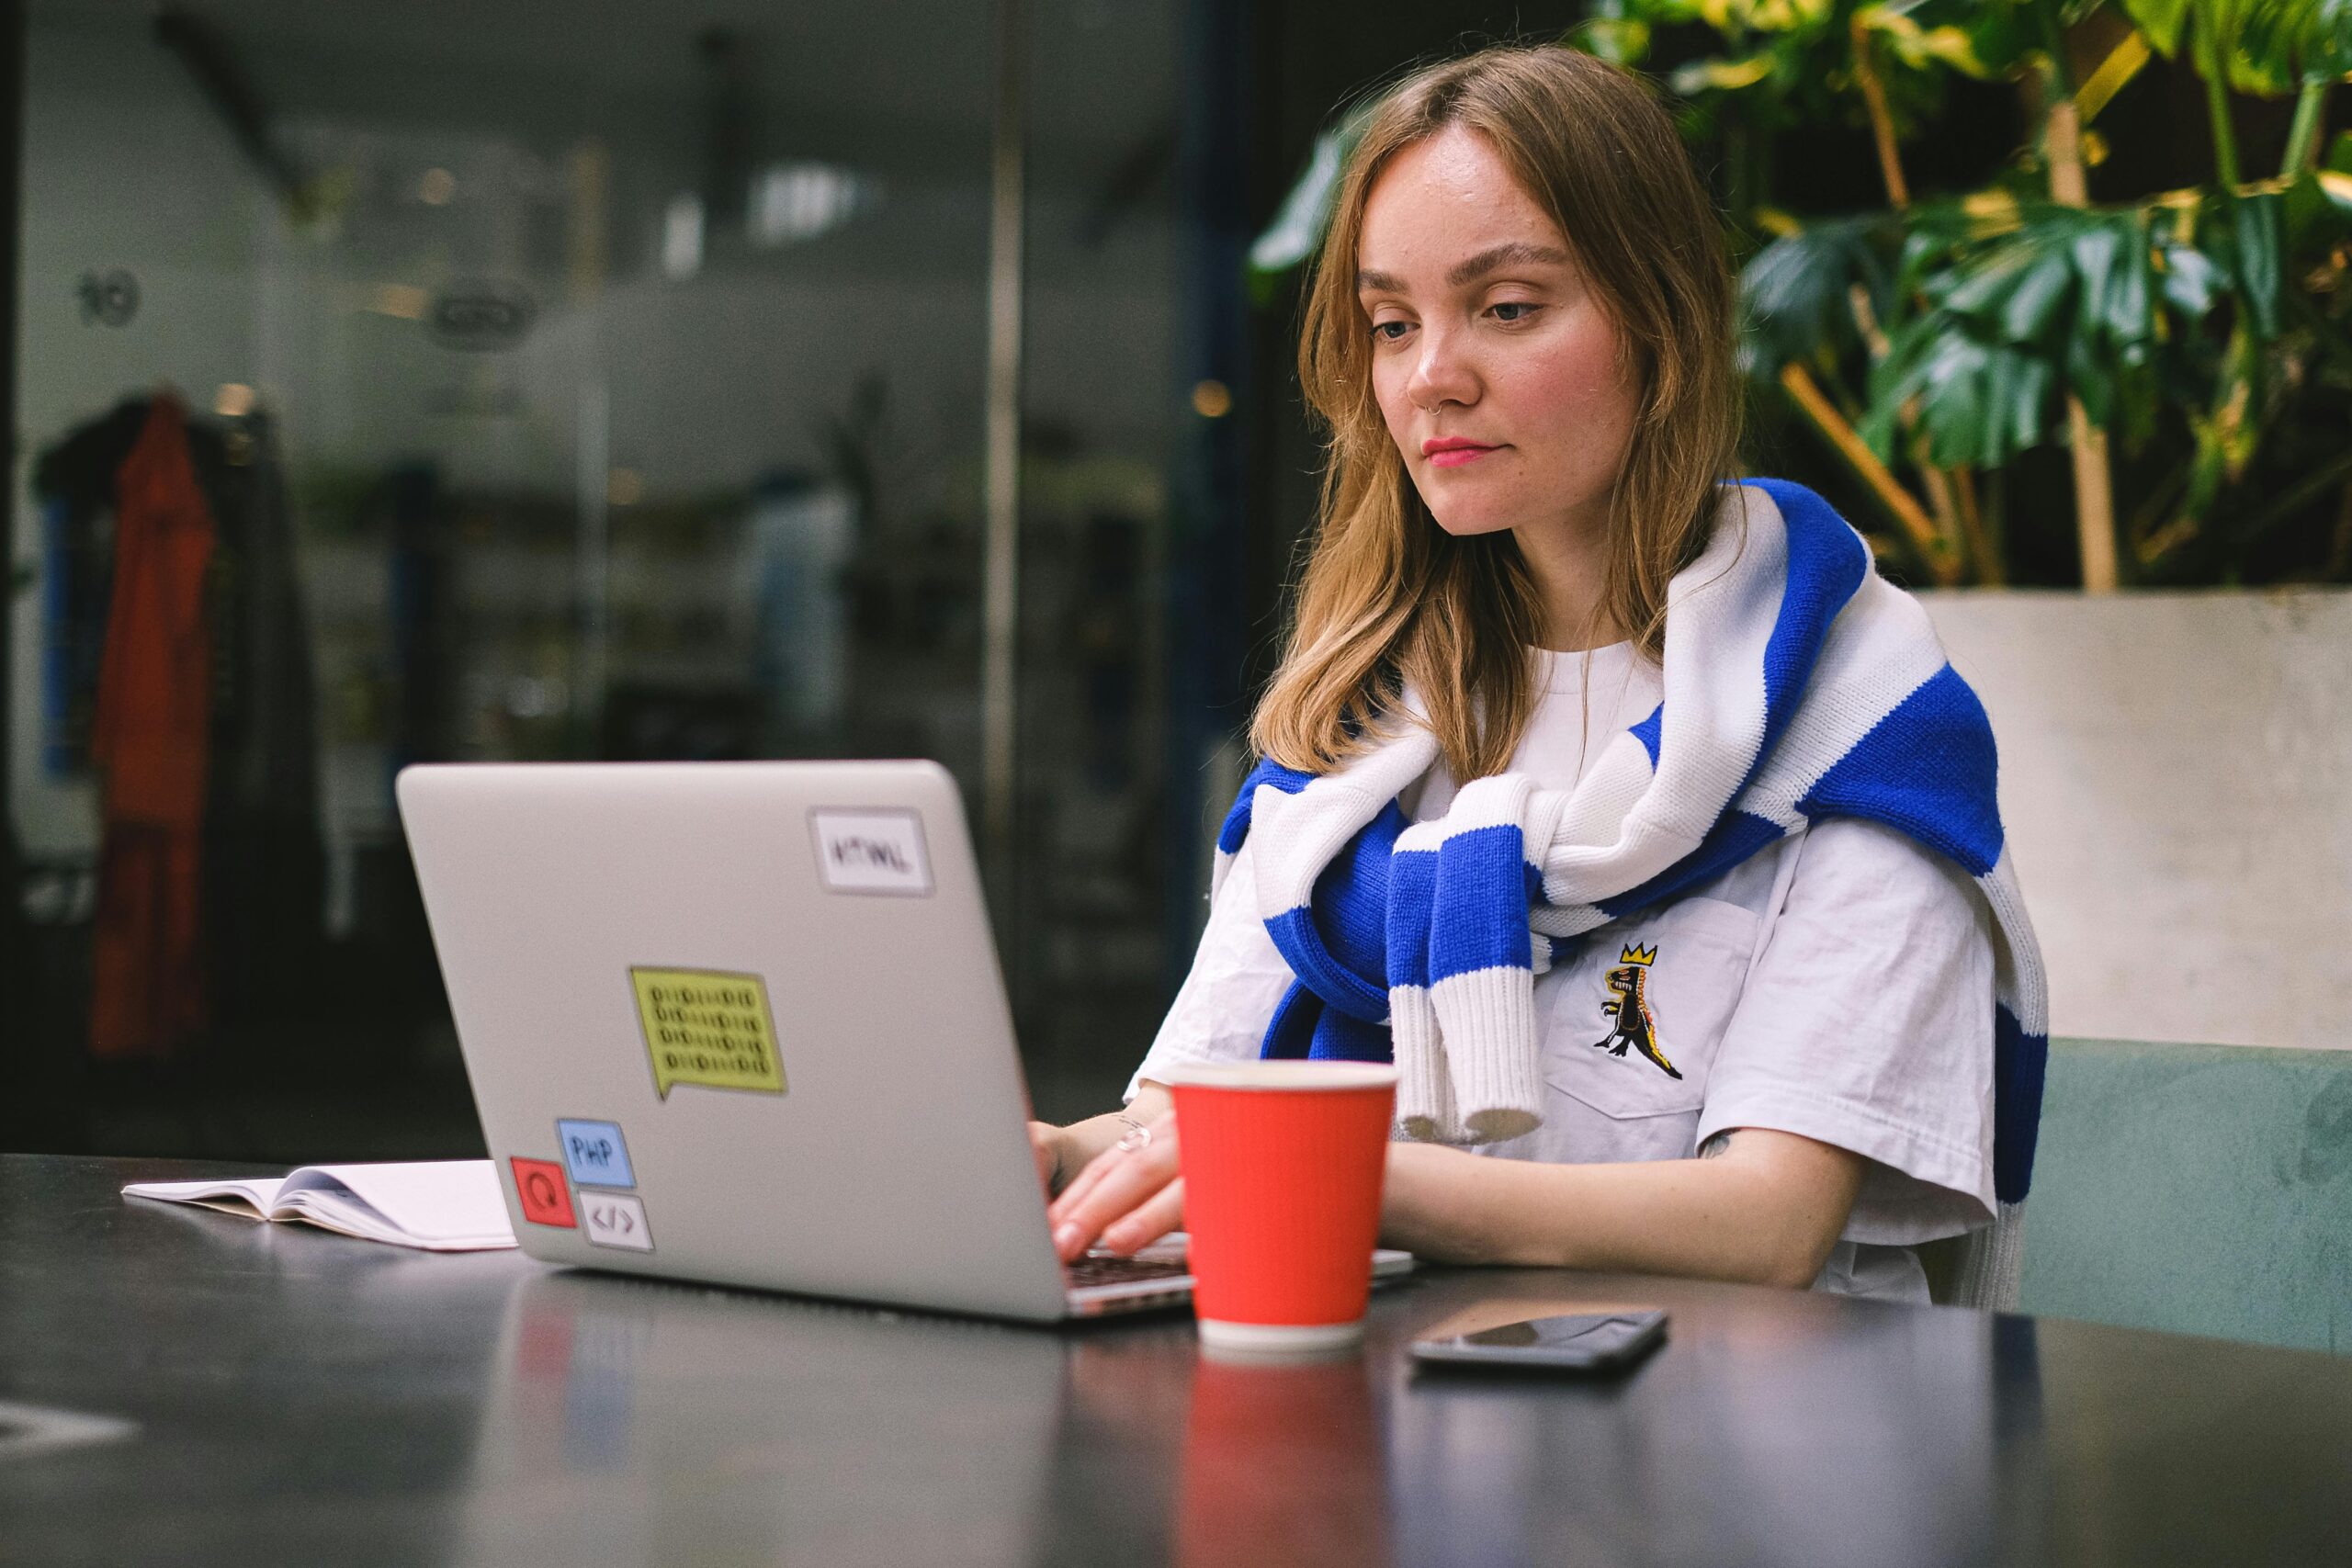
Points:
[1389,598]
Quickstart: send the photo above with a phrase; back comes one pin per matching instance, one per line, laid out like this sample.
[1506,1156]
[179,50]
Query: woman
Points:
[1746,1027]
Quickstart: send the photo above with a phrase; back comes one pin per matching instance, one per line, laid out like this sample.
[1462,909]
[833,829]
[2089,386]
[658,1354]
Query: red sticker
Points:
[539,1184]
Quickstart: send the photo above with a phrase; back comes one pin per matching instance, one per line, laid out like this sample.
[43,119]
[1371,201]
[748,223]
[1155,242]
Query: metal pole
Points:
[590,186]
[20,1077]
[1001,589]
[593,561]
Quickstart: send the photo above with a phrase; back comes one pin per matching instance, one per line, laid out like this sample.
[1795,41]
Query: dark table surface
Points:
[276,1395]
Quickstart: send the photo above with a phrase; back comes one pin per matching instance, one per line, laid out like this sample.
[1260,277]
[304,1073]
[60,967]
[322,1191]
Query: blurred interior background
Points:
[596,379]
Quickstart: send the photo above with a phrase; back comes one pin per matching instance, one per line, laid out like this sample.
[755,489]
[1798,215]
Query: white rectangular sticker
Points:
[871,852]
[614,1219]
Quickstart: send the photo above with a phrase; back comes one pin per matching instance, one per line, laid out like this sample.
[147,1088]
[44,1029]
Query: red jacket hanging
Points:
[149,735]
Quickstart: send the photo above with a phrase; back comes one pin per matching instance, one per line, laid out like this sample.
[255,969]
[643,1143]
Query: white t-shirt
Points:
[1838,984]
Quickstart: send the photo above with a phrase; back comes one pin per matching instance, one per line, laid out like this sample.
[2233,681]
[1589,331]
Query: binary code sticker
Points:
[871,852]
[707,1027]
[614,1219]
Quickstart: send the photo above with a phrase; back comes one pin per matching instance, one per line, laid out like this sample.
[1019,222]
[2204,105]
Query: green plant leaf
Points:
[1917,47]
[2136,401]
[2028,392]
[1952,399]
[2000,384]
[2041,292]
[2002,37]
[2127,316]
[2191,281]
[2257,226]
[2095,250]
[2162,20]
[2257,41]
[1981,291]
[1924,247]
[2205,472]
[1797,289]
[2288,42]
[2090,376]
[1876,428]
[1720,75]
[1733,17]
[2303,208]
[1904,370]
[1620,40]
[2337,190]
[2327,44]
[1297,231]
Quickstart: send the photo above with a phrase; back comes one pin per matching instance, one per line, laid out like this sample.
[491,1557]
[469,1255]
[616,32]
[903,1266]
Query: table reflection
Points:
[635,1421]
[1837,1433]
[630,1420]
[1282,1463]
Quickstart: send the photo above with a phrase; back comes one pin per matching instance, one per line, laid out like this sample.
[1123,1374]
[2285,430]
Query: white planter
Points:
[2176,784]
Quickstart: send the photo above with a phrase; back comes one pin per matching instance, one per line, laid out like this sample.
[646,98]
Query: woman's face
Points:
[1503,384]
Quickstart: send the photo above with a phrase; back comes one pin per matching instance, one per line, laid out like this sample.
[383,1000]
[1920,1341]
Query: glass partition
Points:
[596,380]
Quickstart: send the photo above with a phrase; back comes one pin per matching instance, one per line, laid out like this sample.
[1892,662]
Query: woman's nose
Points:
[1442,374]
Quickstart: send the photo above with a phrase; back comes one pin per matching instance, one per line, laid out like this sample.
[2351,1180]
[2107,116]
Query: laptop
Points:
[743,1023]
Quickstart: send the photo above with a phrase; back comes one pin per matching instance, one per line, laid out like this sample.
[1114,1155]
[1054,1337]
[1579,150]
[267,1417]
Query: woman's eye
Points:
[1389,332]
[1511,311]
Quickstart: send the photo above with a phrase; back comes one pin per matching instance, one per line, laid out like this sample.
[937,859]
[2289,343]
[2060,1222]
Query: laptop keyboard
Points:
[1098,1269]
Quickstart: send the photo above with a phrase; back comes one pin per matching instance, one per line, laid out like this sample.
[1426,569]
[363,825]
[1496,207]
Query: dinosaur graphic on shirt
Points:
[1635,1028]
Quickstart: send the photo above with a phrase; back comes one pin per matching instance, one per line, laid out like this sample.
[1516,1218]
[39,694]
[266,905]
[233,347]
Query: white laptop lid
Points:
[739,1023]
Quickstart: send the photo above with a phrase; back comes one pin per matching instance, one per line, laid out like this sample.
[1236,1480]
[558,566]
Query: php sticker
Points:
[595,1153]
[615,1219]
[707,1027]
[538,1186]
[871,852]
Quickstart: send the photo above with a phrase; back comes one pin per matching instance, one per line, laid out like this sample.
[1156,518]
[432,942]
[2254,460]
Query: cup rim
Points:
[1281,1076]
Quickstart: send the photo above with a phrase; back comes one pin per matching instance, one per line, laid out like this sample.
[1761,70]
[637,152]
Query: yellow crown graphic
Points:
[1638,955]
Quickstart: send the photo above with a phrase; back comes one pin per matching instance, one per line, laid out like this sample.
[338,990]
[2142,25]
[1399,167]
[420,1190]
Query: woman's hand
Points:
[1757,1205]
[1127,1197]
[1054,1154]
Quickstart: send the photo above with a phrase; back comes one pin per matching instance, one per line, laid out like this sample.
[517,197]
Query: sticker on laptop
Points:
[595,1153]
[868,851]
[539,1186]
[708,1027]
[614,1219]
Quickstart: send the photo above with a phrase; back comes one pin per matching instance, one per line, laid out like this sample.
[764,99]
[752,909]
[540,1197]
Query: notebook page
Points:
[442,1205]
[249,1198]
[341,1212]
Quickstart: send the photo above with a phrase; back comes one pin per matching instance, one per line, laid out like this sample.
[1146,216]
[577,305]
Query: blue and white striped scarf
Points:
[1799,684]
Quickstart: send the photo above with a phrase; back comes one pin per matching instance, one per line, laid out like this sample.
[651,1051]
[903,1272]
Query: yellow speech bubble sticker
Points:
[707,1027]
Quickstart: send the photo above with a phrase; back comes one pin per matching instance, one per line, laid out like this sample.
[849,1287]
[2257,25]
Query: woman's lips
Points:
[1453,455]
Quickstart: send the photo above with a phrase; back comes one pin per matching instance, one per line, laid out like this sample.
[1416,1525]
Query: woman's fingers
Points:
[1089,1178]
[1162,1212]
[1113,1185]
[1046,1143]
[1132,1179]
[1159,1146]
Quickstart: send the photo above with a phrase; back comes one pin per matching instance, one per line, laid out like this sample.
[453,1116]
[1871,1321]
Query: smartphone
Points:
[1597,1342]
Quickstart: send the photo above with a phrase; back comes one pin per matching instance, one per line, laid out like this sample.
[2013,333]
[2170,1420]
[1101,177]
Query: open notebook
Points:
[440,1205]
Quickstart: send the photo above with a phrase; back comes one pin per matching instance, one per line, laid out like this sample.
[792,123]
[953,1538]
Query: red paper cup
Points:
[1283,1165]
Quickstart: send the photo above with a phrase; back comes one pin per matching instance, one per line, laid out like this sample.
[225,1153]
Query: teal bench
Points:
[2200,1189]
